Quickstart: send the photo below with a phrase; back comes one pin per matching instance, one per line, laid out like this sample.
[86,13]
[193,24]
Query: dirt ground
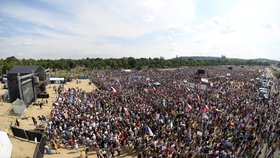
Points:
[23,148]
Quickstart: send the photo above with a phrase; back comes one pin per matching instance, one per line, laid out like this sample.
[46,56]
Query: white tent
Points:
[6,95]
[5,145]
[57,80]
[19,106]
[126,70]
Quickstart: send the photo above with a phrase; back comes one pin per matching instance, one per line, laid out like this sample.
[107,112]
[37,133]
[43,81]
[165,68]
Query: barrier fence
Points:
[40,148]
[31,135]
[26,134]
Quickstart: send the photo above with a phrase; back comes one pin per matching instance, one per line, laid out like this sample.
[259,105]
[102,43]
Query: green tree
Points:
[131,62]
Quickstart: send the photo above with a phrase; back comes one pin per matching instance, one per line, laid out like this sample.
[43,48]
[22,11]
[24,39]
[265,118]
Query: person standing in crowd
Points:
[17,123]
[160,113]
[34,120]
[41,105]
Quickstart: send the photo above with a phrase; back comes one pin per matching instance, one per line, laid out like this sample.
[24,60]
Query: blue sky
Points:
[139,28]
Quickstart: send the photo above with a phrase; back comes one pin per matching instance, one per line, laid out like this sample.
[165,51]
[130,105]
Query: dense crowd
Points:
[165,113]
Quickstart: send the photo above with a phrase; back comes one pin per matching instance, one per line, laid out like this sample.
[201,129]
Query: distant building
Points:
[25,82]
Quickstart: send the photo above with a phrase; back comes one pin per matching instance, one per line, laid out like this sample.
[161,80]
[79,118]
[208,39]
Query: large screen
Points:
[27,92]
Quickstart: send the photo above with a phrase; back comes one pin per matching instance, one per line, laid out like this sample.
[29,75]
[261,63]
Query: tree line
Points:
[125,63]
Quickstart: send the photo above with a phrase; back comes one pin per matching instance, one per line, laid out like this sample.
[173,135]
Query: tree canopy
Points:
[126,63]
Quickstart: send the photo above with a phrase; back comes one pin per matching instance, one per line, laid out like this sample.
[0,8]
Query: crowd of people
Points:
[167,113]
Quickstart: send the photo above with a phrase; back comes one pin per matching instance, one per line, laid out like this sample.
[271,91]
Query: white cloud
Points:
[163,27]
[148,18]
[152,5]
[218,24]
[246,32]
[84,26]
[176,29]
[267,25]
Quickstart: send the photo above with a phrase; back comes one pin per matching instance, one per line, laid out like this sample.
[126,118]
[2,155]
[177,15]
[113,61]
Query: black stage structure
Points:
[25,82]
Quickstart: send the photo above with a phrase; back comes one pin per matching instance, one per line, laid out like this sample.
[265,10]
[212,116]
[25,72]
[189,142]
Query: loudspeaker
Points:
[200,72]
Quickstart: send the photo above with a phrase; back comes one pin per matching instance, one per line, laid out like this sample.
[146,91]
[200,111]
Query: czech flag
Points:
[148,130]
[205,107]
[197,98]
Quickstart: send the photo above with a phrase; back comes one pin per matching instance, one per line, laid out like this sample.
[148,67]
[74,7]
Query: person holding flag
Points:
[148,131]
[205,107]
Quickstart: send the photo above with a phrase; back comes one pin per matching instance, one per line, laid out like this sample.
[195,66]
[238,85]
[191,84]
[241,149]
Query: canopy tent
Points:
[5,145]
[19,106]
[6,95]
[57,80]
[126,70]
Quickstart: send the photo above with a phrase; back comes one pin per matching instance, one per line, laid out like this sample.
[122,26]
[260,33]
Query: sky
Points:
[55,29]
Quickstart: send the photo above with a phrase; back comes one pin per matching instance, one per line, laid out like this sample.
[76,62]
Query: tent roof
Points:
[3,136]
[57,79]
[18,102]
[5,145]
[23,69]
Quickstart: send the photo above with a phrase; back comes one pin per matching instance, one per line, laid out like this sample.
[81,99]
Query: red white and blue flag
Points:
[197,98]
[148,130]
[205,107]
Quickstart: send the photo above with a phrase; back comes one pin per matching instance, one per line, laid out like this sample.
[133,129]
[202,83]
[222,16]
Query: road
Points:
[274,89]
